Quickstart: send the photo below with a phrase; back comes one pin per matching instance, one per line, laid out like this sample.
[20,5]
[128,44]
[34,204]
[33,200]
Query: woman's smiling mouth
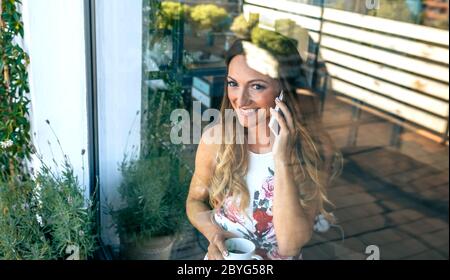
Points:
[247,112]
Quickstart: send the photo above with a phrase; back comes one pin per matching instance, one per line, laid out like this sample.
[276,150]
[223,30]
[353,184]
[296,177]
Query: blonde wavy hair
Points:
[315,161]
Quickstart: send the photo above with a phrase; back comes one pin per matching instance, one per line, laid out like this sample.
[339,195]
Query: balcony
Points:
[108,76]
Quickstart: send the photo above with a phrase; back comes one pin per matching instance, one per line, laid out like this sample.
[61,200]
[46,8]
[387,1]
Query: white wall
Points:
[119,63]
[54,39]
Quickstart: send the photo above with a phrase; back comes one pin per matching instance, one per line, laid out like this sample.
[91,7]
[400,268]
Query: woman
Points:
[269,190]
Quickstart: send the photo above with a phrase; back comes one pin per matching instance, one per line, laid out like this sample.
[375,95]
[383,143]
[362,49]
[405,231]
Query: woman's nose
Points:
[244,99]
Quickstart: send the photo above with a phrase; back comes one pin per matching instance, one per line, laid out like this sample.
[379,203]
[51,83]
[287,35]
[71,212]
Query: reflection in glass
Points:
[379,90]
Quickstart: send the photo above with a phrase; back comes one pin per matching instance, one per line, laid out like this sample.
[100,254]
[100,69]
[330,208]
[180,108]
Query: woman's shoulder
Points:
[212,135]
[209,145]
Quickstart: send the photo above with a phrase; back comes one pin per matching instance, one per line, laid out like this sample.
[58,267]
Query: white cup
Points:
[245,247]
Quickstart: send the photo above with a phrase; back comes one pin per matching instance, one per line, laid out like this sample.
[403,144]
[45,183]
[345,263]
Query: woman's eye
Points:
[232,84]
[258,87]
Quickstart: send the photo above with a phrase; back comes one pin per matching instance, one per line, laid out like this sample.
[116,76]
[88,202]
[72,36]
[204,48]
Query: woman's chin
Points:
[245,122]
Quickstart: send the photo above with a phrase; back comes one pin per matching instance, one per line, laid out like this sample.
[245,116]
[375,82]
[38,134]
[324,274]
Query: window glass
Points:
[367,157]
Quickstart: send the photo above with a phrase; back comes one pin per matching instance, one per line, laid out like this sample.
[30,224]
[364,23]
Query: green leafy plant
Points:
[14,125]
[43,215]
[279,42]
[47,218]
[242,28]
[209,17]
[155,181]
[273,41]
[21,235]
[157,123]
[170,12]
[154,195]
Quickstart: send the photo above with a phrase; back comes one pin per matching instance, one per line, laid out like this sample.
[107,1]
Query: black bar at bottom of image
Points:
[267,270]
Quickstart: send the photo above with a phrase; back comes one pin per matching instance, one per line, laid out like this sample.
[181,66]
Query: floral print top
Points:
[257,223]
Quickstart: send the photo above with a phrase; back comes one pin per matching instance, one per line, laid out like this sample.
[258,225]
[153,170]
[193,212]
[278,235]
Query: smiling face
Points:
[250,92]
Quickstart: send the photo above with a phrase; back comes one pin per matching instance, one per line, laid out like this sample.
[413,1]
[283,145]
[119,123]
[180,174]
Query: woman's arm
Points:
[293,223]
[197,205]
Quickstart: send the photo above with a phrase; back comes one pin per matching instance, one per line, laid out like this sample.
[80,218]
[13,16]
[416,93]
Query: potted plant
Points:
[242,28]
[154,182]
[153,213]
[169,13]
[160,18]
[209,18]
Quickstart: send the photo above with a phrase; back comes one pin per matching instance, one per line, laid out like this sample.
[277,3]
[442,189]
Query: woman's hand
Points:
[217,249]
[284,143]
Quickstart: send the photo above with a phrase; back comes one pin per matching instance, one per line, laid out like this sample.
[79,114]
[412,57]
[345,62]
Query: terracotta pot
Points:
[156,248]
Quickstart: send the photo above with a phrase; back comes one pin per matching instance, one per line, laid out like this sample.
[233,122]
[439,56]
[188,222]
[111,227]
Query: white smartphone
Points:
[273,123]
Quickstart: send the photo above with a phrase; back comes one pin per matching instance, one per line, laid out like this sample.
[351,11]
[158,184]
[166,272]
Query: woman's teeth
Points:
[247,112]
